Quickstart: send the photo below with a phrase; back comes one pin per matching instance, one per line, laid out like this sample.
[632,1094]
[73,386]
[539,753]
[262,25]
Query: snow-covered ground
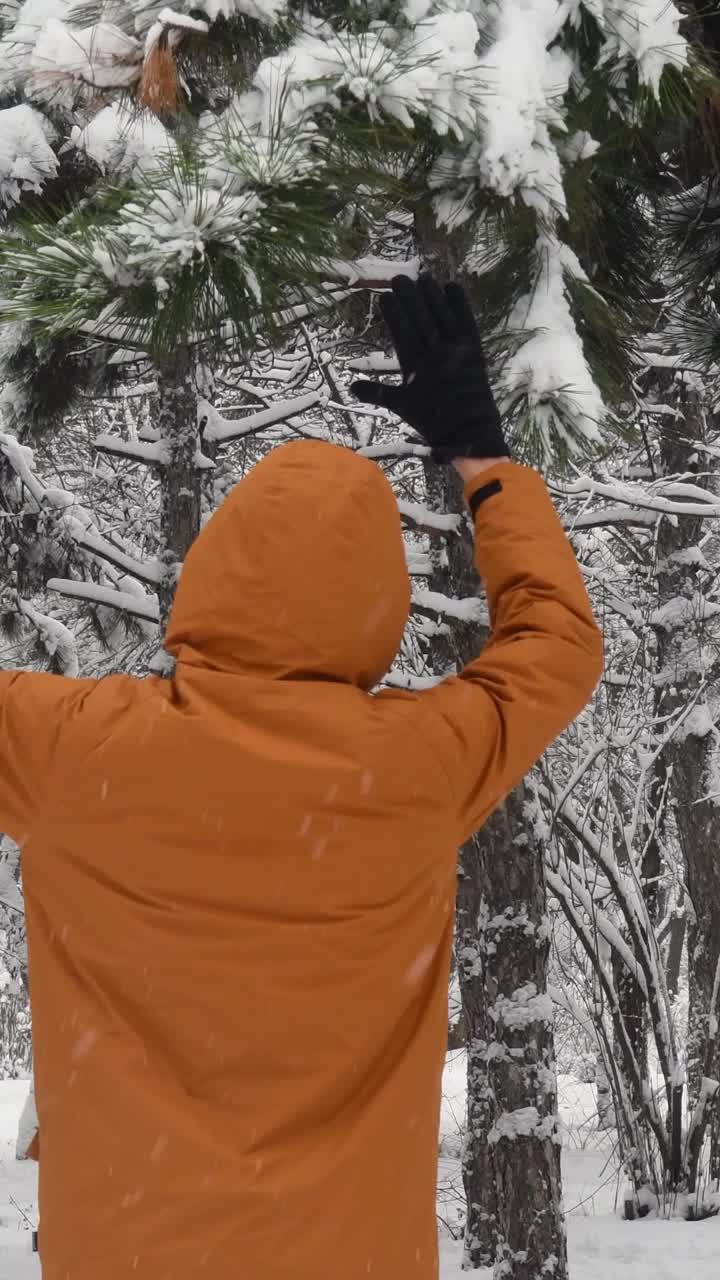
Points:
[18,1193]
[601,1245]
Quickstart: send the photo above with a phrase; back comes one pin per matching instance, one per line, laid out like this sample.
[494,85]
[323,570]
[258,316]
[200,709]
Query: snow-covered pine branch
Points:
[57,639]
[498,115]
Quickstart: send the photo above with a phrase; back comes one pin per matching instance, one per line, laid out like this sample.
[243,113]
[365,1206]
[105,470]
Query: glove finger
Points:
[407,345]
[419,316]
[380,394]
[459,304]
[436,301]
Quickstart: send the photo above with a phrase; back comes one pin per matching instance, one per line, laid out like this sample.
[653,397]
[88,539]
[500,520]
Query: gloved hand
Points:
[445,393]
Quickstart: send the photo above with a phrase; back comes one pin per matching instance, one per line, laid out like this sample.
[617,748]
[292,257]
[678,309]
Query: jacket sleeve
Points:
[33,710]
[544,656]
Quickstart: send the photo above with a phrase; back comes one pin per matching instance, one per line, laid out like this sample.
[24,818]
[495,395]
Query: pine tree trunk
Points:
[454,574]
[512,1187]
[180,477]
[512,1183]
[457,1030]
[515,1039]
[482,1231]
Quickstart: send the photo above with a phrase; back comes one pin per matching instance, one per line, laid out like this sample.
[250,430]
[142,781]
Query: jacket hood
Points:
[300,573]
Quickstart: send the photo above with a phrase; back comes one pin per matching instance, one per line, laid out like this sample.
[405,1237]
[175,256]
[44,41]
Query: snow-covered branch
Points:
[471,609]
[689,500]
[421,517]
[643,1098]
[92,593]
[396,449]
[156,453]
[148,571]
[372,272]
[217,429]
[72,517]
[633,910]
[573,880]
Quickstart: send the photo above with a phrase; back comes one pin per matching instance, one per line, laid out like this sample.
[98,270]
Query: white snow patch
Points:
[27,160]
[101,56]
[698,723]
[526,1005]
[549,369]
[522,1123]
[123,142]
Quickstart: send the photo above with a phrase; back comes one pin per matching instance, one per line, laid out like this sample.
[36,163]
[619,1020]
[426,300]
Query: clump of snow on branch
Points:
[262,149]
[57,639]
[98,57]
[122,142]
[429,71]
[645,33]
[18,43]
[171,18]
[550,368]
[27,160]
[159,237]
[517,149]
[264,10]
[523,77]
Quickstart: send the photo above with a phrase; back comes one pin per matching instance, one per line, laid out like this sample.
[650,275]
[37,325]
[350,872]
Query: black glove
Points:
[445,393]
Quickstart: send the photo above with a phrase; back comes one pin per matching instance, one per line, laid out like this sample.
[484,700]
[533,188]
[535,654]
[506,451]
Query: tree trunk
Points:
[676,946]
[689,753]
[511,1157]
[483,1212]
[514,1049]
[633,1010]
[180,477]
[512,1185]
[605,1101]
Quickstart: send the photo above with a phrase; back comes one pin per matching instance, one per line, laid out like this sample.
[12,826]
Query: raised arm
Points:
[544,657]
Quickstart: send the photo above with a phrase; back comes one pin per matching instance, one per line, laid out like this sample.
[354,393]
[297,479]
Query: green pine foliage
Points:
[291,129]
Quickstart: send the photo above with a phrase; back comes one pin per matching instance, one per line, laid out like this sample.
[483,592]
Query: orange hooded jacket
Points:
[239,884]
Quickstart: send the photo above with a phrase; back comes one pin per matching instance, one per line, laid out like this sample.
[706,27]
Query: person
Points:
[239,882]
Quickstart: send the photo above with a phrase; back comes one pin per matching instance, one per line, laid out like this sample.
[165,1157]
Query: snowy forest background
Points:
[197,209]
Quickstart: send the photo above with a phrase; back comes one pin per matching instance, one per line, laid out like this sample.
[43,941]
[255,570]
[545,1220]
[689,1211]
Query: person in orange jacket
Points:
[240,882]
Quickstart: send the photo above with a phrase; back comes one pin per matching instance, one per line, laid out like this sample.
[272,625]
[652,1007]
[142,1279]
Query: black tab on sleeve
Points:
[479,496]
